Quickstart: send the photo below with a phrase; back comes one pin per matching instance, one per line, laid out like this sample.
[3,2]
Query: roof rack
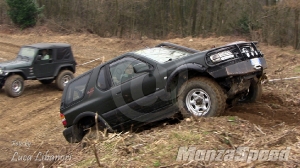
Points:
[178,47]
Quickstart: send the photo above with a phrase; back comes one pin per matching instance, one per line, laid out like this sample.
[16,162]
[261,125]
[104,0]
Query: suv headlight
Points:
[221,56]
[249,51]
[1,71]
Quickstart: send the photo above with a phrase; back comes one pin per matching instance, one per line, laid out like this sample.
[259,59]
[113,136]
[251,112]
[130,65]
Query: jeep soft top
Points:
[45,62]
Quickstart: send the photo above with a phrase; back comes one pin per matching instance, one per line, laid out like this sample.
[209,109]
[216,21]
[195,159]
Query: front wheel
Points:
[253,94]
[201,97]
[63,79]
[14,86]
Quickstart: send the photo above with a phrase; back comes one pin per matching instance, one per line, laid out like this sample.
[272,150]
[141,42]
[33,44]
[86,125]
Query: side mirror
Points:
[39,57]
[141,67]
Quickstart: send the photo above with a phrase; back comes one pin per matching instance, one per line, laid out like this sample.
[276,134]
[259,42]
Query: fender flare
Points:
[16,71]
[64,66]
[89,114]
[189,66]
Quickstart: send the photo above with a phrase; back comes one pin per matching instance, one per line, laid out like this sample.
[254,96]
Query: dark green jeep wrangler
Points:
[45,62]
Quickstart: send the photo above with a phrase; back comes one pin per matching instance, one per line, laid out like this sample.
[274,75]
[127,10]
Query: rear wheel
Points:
[80,133]
[63,79]
[201,97]
[47,81]
[83,127]
[14,86]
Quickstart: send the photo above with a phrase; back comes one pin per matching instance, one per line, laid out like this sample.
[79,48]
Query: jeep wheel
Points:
[201,97]
[63,78]
[47,81]
[253,93]
[14,86]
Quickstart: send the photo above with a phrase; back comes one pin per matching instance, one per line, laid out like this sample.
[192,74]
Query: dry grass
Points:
[158,147]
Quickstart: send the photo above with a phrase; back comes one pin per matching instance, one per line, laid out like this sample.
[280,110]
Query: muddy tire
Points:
[254,93]
[78,136]
[63,78]
[47,81]
[14,86]
[83,127]
[201,97]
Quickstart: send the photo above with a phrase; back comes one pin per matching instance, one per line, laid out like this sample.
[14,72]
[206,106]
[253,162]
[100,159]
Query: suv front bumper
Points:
[241,68]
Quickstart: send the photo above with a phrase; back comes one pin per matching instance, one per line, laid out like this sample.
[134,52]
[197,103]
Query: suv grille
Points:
[235,52]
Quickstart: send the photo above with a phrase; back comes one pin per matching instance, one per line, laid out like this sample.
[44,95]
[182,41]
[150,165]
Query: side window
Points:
[63,53]
[102,81]
[76,89]
[46,54]
[122,70]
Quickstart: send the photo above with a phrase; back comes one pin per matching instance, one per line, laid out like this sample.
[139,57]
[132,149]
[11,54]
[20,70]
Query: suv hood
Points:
[13,64]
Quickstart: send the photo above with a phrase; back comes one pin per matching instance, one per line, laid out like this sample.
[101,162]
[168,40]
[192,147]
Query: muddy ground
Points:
[31,127]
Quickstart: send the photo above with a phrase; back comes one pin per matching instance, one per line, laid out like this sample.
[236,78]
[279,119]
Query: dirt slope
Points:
[34,117]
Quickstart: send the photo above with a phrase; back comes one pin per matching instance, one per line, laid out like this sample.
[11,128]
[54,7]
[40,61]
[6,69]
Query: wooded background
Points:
[275,22]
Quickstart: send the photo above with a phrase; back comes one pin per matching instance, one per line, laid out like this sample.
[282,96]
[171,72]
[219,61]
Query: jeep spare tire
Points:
[63,78]
[201,97]
[14,86]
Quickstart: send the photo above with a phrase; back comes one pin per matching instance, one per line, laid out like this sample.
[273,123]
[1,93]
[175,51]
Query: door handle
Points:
[118,93]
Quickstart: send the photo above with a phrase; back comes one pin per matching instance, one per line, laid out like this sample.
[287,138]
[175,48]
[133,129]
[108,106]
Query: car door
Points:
[134,96]
[43,68]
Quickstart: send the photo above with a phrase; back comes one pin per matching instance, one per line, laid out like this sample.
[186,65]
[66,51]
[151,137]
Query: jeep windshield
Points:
[27,53]
[161,54]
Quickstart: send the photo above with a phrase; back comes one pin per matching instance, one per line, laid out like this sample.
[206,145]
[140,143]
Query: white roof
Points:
[161,54]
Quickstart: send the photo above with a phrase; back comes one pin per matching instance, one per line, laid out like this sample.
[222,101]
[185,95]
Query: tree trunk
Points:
[296,31]
[194,18]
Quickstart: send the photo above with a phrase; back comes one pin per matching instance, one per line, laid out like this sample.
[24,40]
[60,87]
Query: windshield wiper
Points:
[26,57]
[23,57]
[20,56]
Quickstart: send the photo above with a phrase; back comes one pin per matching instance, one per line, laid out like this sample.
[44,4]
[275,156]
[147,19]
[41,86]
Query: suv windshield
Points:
[161,54]
[27,52]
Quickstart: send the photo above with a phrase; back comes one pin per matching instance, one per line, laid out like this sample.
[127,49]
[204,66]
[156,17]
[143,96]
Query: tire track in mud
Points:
[34,96]
[8,51]
[36,101]
[9,44]
[269,112]
[32,117]
[9,47]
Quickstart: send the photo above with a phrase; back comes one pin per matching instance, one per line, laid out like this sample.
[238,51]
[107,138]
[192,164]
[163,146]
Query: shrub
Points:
[23,13]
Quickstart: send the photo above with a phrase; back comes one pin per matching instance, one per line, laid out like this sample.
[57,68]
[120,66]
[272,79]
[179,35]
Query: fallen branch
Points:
[259,129]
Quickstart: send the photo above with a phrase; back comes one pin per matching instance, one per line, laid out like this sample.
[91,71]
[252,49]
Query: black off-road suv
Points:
[155,83]
[45,62]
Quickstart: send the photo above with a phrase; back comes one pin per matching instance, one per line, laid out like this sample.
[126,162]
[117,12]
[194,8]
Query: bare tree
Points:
[265,20]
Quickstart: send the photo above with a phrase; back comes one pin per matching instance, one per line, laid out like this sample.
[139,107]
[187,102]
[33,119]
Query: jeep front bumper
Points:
[241,68]
[2,80]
